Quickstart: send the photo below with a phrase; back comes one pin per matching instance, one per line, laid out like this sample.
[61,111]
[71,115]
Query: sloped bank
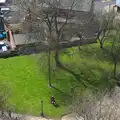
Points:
[33,48]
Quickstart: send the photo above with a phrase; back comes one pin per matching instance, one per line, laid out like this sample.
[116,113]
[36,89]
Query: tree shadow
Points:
[56,105]
[66,94]
[64,98]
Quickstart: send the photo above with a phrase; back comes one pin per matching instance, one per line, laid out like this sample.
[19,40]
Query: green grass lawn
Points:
[29,85]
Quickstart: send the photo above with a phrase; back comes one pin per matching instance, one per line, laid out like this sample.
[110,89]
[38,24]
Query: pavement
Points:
[99,5]
[15,116]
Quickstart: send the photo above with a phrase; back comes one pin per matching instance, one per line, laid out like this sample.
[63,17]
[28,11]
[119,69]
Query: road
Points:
[21,39]
[99,5]
[16,18]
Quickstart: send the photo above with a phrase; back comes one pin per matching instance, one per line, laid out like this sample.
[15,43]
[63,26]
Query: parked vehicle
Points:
[7,42]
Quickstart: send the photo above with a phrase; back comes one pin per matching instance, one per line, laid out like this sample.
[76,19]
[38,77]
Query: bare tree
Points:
[6,111]
[96,107]
[109,33]
[58,23]
[55,25]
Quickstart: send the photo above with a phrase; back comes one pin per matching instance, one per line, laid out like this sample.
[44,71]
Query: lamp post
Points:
[42,114]
[49,68]
[49,60]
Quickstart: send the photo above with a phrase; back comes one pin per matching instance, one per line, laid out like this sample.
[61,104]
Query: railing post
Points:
[12,41]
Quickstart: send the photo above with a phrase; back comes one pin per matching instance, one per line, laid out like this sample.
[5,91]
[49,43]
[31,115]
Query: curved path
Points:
[15,116]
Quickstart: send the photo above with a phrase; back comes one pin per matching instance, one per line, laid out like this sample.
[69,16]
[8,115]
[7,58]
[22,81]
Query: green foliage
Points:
[28,78]
[28,87]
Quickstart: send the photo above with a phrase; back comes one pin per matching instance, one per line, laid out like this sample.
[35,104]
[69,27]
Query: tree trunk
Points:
[49,68]
[60,65]
[101,45]
[115,69]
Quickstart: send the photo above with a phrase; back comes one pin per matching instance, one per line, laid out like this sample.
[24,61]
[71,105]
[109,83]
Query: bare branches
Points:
[5,109]
[60,23]
[56,20]
[96,107]
[109,34]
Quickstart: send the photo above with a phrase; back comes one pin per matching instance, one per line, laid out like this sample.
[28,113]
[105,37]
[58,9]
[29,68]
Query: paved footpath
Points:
[15,116]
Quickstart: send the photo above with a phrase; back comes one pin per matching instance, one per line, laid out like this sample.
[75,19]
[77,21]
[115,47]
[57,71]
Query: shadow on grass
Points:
[63,98]
[66,94]
[56,105]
